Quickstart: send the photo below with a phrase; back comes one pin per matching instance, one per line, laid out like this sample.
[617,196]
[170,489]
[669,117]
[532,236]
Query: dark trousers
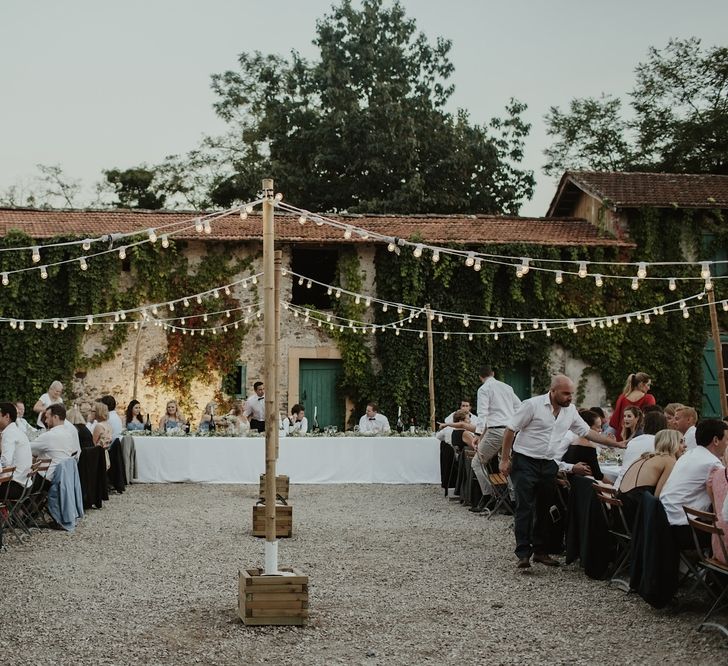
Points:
[257,425]
[533,479]
[15,490]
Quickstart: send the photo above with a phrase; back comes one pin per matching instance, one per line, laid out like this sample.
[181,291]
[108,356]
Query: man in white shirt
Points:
[685,420]
[497,403]
[53,397]
[20,421]
[541,423]
[687,483]
[15,450]
[644,443]
[254,408]
[373,422]
[297,424]
[114,418]
[464,406]
[56,442]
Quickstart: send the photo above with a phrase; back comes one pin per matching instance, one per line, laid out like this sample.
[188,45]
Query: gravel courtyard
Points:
[397,576]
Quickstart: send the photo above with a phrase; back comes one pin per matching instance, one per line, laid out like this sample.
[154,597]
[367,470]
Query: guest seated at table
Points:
[581,450]
[669,412]
[209,421]
[685,420]
[20,421]
[114,419]
[55,443]
[134,420]
[632,419]
[463,431]
[687,485]
[373,422]
[172,417]
[52,397]
[102,435]
[15,450]
[85,438]
[644,443]
[718,491]
[297,423]
[464,406]
[636,393]
[238,423]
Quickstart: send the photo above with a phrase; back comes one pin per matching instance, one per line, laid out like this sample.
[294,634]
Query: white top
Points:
[16,453]
[689,438]
[635,448]
[561,449]
[450,418]
[46,400]
[377,424]
[76,439]
[540,434]
[686,485]
[445,435]
[255,407]
[116,425]
[56,444]
[300,427]
[24,425]
[497,403]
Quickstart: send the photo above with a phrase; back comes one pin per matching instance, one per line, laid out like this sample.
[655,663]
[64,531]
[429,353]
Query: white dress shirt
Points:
[497,403]
[255,407]
[450,418]
[540,434]
[445,435]
[56,444]
[635,448]
[16,453]
[24,425]
[377,424]
[47,402]
[689,438]
[76,450]
[562,448]
[686,485]
[116,425]
[291,427]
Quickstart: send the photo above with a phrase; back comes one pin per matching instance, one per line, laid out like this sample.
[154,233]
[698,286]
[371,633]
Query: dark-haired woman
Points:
[134,420]
[635,394]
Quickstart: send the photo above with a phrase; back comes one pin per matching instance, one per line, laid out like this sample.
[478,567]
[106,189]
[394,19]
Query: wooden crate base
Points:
[266,600]
[284,520]
[283,486]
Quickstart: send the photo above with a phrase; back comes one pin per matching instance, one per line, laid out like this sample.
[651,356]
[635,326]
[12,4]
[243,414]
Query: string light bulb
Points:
[391,246]
[198,225]
[301,220]
[672,285]
[705,270]
[83,264]
[5,279]
[249,207]
[347,232]
[152,236]
[470,259]
[86,245]
[642,270]
[207,227]
[598,281]
[525,265]
[582,273]
[478,265]
[559,277]
[165,241]
[418,250]
[435,256]
[686,314]
[35,254]
[122,252]
[635,284]
[44,273]
[278,196]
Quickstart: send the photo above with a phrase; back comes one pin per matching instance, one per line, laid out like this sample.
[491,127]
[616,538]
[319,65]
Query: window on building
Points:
[234,383]
[316,264]
[714,251]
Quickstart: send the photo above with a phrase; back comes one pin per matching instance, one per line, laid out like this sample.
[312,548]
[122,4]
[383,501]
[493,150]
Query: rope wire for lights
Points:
[200,224]
[142,309]
[489,319]
[521,264]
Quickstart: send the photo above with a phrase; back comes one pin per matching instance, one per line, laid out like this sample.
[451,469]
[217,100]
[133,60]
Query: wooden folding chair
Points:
[6,476]
[37,496]
[19,508]
[501,496]
[613,510]
[715,570]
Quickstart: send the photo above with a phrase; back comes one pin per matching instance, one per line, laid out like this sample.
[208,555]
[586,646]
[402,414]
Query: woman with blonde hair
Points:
[102,430]
[172,417]
[669,412]
[239,424]
[634,394]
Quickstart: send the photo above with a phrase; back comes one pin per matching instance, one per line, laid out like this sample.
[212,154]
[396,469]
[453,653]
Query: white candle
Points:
[315,411]
[399,411]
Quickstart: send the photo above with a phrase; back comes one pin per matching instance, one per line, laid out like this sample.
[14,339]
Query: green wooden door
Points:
[711,393]
[519,379]
[317,381]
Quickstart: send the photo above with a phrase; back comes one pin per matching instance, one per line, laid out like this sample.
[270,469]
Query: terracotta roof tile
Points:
[661,190]
[433,229]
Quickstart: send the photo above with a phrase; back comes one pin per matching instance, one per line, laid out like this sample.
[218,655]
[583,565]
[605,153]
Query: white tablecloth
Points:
[303,459]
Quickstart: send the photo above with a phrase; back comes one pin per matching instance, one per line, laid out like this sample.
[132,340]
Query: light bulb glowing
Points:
[347,232]
[207,227]
[672,285]
[642,270]
[43,273]
[598,281]
[470,260]
[635,284]
[86,245]
[705,270]
[5,279]
[418,251]
[302,219]
[198,225]
[122,253]
[278,196]
[435,257]
[582,269]
[708,285]
[559,277]
[35,254]
[525,265]
[152,236]
[686,314]
[165,241]
[478,266]
[249,208]
[391,246]
[83,264]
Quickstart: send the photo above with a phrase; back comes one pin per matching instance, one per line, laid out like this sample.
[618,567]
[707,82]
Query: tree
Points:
[363,128]
[135,188]
[680,121]
[51,188]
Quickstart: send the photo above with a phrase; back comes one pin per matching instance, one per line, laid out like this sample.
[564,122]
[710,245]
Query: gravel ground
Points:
[397,575]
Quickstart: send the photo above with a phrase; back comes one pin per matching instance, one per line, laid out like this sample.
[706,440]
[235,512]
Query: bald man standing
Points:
[541,423]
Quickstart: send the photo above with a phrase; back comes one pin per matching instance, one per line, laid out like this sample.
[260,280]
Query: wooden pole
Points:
[430,366]
[136,360]
[720,371]
[277,261]
[271,378]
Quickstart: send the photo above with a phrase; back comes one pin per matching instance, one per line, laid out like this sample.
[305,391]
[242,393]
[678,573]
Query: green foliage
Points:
[135,188]
[361,128]
[680,121]
[33,358]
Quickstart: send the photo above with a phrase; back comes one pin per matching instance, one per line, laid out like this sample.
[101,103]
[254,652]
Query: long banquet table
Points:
[303,459]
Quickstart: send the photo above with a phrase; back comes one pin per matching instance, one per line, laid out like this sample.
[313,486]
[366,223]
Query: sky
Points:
[97,84]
